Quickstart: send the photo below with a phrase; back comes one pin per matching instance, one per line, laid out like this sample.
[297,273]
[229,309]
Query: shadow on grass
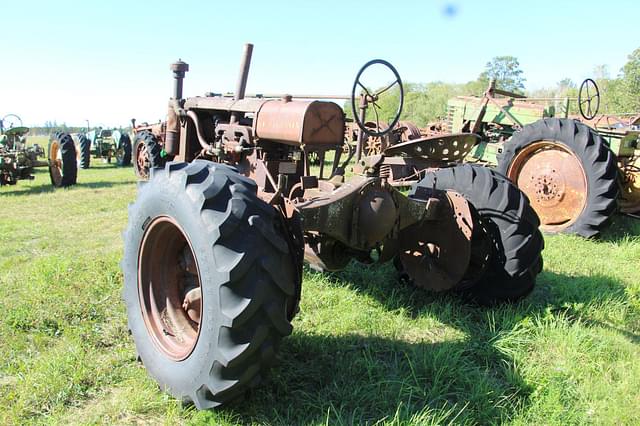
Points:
[48,188]
[362,379]
[621,227]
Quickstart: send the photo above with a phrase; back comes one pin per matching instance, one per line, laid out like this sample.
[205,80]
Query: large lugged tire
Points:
[147,153]
[506,242]
[63,165]
[568,173]
[84,155]
[201,226]
[123,151]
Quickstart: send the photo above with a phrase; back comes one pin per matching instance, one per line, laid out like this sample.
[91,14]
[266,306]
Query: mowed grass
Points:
[365,348]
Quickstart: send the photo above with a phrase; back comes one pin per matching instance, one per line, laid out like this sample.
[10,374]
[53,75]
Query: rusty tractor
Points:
[18,159]
[574,169]
[148,151]
[216,239]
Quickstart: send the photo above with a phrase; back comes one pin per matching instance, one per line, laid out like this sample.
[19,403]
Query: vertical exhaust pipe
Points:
[241,85]
[172,137]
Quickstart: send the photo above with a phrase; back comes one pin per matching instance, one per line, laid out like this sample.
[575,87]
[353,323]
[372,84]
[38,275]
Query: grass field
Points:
[365,348]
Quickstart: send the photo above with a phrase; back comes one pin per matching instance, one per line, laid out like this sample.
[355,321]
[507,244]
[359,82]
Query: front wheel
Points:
[506,244]
[210,281]
[147,154]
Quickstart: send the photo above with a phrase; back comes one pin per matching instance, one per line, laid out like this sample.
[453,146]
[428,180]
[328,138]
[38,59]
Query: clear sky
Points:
[108,61]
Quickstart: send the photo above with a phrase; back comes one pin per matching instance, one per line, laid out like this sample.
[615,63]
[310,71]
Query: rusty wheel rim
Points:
[169,288]
[553,178]
[142,160]
[55,163]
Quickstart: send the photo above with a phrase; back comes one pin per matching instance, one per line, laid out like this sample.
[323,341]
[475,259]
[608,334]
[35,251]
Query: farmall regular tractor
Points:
[215,243]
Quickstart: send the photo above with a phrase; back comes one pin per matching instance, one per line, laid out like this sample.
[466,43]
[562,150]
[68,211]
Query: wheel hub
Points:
[549,188]
[553,178]
[169,288]
[436,254]
[142,160]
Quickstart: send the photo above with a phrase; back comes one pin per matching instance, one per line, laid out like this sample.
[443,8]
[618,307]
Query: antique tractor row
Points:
[18,160]
[103,144]
[577,171]
[215,241]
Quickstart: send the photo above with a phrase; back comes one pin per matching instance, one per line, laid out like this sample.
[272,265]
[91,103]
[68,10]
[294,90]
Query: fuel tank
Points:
[300,122]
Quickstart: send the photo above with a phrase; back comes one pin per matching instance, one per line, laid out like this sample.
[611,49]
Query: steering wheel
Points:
[10,121]
[369,98]
[588,94]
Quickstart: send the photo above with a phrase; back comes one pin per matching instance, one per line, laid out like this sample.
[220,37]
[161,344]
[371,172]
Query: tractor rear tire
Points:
[527,156]
[84,148]
[505,237]
[244,270]
[123,151]
[147,153]
[63,163]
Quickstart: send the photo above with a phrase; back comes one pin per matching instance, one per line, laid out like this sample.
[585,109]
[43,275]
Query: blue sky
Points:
[109,61]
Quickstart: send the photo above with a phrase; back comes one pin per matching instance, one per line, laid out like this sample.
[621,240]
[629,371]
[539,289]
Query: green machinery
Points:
[17,159]
[103,144]
[576,170]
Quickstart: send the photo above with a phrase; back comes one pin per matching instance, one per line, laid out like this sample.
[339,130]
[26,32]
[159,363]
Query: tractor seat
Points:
[443,147]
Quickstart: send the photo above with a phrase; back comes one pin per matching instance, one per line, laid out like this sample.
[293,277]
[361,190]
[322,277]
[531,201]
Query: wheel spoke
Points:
[378,93]
[364,88]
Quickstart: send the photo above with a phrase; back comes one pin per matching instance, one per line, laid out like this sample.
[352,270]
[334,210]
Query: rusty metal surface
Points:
[142,160]
[169,288]
[55,163]
[172,132]
[409,131]
[218,103]
[554,180]
[444,148]
[436,254]
[374,145]
[295,122]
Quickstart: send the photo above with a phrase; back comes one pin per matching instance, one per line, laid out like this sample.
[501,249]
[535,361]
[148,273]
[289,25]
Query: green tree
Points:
[630,84]
[507,73]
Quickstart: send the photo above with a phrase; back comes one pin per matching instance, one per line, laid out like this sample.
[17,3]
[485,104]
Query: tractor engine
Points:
[271,142]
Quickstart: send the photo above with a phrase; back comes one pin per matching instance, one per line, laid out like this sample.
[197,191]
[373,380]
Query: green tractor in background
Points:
[103,144]
[576,170]
[18,160]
